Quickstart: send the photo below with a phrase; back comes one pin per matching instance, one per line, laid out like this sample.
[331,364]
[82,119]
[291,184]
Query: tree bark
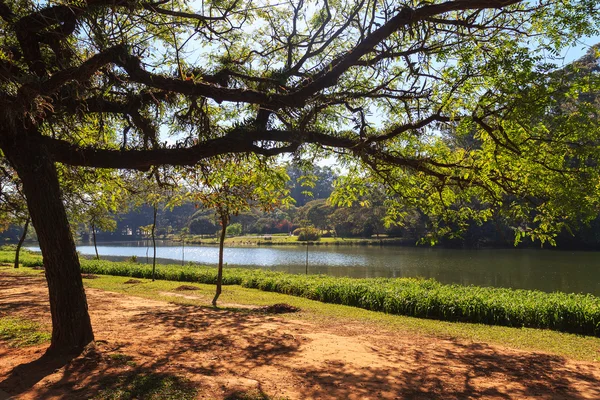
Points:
[71,326]
[224,221]
[21,240]
[94,238]
[154,244]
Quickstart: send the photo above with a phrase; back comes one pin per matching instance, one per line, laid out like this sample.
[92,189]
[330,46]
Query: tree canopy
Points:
[449,103]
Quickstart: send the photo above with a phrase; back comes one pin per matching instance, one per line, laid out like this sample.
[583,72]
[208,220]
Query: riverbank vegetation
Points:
[236,297]
[311,210]
[575,313]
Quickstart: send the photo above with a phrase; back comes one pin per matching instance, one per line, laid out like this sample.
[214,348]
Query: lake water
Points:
[547,270]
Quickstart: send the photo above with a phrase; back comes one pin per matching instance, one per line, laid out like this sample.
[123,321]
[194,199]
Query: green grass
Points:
[122,359]
[564,344]
[18,332]
[574,313]
[148,386]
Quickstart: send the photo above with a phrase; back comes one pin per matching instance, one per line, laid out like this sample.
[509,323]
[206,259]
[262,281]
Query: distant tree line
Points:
[313,209]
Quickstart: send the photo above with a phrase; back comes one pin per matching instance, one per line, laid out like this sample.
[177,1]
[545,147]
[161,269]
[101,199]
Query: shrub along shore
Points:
[574,313]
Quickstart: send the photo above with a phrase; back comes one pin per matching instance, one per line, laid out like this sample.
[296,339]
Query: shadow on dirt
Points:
[207,344]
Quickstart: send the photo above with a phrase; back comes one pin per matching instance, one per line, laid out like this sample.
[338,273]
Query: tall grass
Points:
[575,313]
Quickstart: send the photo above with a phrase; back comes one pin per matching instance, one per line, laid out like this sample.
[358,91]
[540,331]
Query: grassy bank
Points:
[559,343]
[283,239]
[402,296]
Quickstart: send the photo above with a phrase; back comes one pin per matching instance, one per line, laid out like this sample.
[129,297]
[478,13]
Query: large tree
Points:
[99,83]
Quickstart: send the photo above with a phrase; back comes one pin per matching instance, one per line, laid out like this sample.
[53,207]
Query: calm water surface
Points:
[548,270]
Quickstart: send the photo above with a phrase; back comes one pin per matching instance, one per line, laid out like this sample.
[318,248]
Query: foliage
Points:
[203,222]
[404,296]
[317,213]
[234,185]
[533,165]
[396,88]
[13,205]
[93,198]
[446,103]
[231,185]
[308,233]
[234,229]
[309,182]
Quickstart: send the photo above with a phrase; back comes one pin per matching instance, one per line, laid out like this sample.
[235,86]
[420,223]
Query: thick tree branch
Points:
[155,7]
[5,12]
[407,16]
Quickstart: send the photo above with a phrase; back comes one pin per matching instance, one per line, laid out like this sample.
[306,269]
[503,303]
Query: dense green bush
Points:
[309,233]
[234,229]
[422,298]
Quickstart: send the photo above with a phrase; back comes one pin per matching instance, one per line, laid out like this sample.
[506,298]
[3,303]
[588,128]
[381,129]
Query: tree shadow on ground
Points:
[111,377]
[25,300]
[25,376]
[209,344]
[459,372]
[221,334]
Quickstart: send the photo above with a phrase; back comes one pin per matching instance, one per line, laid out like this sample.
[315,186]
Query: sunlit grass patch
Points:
[575,313]
[148,386]
[19,332]
[564,344]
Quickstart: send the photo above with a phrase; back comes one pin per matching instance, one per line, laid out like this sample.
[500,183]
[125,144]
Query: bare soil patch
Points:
[280,308]
[132,282]
[186,287]
[226,353]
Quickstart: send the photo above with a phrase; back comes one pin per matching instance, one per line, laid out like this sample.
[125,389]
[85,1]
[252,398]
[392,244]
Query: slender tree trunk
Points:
[154,244]
[182,249]
[94,238]
[224,221]
[21,240]
[71,326]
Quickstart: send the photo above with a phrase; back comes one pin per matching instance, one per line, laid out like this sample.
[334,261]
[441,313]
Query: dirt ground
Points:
[224,352]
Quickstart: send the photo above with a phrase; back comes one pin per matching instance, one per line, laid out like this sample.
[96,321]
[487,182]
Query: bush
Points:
[309,233]
[234,229]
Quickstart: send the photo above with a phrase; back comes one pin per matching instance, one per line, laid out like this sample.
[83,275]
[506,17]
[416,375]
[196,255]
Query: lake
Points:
[547,270]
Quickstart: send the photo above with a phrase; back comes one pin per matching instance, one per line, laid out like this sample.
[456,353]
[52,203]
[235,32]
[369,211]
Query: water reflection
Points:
[547,270]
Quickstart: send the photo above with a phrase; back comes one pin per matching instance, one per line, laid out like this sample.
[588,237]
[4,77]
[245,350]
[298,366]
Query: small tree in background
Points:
[13,206]
[234,229]
[158,191]
[231,185]
[183,235]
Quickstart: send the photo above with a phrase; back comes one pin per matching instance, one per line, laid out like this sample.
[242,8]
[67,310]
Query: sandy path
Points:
[223,352]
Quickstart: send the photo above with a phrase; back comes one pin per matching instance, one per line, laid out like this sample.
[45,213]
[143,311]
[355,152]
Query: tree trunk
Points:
[154,244]
[21,240]
[71,326]
[224,221]
[94,239]
[182,250]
